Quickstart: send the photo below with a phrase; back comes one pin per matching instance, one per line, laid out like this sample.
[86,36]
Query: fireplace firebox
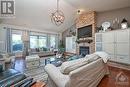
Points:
[83,50]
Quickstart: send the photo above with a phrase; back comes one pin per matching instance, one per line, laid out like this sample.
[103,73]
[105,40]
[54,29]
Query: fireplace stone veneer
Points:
[87,19]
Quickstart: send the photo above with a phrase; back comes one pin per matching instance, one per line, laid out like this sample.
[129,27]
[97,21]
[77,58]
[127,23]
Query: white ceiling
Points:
[99,5]
[36,13]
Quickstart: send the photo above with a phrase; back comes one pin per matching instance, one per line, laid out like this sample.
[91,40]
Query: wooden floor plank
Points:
[117,78]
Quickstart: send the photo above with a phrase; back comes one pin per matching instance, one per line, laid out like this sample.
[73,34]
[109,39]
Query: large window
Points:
[17,44]
[33,42]
[42,41]
[38,41]
[53,41]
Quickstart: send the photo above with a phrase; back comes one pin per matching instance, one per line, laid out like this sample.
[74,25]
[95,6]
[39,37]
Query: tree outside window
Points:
[17,44]
[53,41]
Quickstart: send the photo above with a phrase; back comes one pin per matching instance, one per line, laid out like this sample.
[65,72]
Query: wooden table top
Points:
[39,84]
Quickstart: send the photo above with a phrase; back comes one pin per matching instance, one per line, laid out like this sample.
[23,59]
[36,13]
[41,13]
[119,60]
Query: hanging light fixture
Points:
[58,16]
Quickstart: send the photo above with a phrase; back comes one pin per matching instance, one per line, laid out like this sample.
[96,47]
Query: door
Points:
[123,46]
[68,44]
[71,44]
[98,41]
[108,44]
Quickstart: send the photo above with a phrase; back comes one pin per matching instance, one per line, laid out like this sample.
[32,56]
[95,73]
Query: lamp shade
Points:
[124,24]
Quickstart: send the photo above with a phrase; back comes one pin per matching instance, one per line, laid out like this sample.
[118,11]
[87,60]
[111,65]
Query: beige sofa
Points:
[43,53]
[88,75]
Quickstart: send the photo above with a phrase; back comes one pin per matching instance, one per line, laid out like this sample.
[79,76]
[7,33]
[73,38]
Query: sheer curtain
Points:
[2,40]
[12,39]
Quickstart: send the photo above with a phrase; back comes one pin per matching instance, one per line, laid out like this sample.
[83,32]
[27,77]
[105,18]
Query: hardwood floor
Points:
[117,78]
[19,64]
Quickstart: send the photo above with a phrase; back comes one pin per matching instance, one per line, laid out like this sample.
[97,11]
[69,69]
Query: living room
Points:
[65,43]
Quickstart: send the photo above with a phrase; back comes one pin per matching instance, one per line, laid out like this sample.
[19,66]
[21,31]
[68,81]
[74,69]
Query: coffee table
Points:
[55,61]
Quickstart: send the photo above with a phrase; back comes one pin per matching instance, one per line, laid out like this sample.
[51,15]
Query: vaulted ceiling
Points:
[36,13]
[99,5]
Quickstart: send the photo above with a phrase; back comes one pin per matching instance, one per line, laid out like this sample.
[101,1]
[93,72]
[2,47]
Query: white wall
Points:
[111,15]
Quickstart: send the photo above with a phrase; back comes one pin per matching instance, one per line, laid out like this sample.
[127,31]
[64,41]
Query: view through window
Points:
[38,41]
[53,41]
[17,44]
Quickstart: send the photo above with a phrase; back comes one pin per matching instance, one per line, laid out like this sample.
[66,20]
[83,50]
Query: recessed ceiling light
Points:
[80,11]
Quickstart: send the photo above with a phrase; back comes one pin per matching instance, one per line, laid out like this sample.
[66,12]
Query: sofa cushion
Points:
[92,57]
[74,57]
[69,66]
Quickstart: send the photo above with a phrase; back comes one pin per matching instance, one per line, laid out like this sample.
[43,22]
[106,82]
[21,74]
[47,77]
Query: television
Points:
[84,32]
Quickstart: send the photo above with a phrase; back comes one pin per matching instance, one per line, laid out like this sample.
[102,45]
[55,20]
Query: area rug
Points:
[37,73]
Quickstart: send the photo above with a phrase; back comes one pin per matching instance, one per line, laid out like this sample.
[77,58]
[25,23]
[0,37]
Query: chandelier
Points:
[58,16]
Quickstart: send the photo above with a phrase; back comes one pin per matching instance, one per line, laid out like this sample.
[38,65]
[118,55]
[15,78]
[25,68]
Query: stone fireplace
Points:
[84,50]
[88,43]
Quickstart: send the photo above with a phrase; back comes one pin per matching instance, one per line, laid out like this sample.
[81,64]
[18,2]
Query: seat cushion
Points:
[69,66]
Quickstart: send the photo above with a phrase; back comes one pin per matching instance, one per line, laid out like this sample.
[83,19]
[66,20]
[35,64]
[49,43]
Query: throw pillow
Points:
[92,57]
[44,49]
[73,57]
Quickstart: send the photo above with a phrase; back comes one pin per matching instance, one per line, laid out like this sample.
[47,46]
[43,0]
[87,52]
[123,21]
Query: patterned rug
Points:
[38,73]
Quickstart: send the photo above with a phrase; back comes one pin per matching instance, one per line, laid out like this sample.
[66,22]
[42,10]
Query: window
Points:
[42,41]
[33,42]
[52,41]
[38,41]
[17,44]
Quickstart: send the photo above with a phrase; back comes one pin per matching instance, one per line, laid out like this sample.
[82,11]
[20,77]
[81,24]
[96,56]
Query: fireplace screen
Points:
[83,50]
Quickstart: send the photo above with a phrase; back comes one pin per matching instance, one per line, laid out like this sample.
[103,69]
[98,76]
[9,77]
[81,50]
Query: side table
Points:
[2,62]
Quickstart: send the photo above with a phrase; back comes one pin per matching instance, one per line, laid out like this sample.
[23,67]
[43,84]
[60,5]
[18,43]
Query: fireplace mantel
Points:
[85,40]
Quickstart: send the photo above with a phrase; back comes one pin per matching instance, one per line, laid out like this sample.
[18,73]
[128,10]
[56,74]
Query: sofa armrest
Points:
[55,74]
[90,73]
